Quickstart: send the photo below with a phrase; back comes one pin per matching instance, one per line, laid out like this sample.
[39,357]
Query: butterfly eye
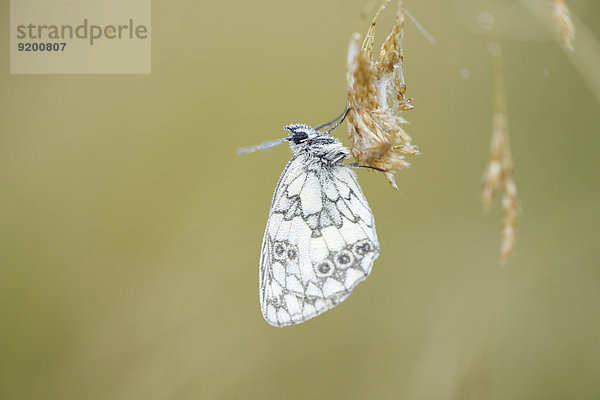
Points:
[299,137]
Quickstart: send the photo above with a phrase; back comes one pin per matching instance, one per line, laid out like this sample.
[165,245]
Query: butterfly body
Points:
[320,240]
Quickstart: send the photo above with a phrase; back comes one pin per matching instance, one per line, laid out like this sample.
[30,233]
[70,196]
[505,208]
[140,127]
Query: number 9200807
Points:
[41,46]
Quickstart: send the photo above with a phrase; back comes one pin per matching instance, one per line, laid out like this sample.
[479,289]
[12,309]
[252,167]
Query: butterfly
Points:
[320,241]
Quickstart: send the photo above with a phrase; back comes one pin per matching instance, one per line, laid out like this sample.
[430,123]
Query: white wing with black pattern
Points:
[319,244]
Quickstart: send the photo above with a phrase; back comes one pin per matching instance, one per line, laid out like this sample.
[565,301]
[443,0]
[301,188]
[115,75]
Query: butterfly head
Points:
[301,134]
[304,138]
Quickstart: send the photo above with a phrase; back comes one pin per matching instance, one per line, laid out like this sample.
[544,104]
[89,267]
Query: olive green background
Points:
[130,230]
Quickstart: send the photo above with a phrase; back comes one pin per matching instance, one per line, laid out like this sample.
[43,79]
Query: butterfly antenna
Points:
[262,146]
[342,115]
[339,122]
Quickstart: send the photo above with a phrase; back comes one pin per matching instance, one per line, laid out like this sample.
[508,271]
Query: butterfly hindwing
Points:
[320,242]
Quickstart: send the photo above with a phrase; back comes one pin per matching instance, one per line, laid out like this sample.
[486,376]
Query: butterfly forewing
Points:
[320,241]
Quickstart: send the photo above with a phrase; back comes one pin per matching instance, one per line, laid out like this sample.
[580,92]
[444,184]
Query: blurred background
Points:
[130,230]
